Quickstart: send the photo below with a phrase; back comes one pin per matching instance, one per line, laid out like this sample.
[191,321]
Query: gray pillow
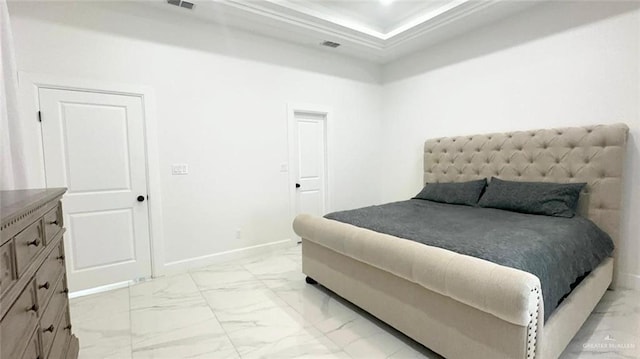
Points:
[466,193]
[550,199]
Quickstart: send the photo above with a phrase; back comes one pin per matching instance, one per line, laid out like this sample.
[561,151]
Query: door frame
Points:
[292,109]
[29,85]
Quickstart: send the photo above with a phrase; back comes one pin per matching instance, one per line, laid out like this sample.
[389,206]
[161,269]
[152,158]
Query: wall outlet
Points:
[179,169]
[238,233]
[284,167]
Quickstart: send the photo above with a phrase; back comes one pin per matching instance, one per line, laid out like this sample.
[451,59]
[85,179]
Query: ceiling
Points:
[375,30]
[381,19]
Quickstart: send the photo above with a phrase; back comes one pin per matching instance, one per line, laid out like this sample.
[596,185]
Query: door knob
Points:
[140,198]
[297,185]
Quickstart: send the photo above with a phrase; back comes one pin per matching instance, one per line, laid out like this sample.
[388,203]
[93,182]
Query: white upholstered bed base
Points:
[444,325]
[461,306]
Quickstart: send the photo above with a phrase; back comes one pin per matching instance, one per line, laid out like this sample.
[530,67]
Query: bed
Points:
[458,305]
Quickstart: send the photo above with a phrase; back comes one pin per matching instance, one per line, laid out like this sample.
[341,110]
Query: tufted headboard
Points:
[592,154]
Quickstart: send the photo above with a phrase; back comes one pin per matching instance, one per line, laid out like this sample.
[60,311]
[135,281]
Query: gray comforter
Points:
[559,251]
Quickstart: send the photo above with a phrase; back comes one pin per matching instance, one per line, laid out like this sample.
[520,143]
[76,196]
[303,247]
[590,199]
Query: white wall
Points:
[222,98]
[558,64]
[221,108]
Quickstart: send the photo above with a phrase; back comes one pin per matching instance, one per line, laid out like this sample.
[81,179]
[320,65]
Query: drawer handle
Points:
[68,327]
[65,291]
[45,285]
[33,308]
[49,329]
[54,222]
[60,258]
[35,242]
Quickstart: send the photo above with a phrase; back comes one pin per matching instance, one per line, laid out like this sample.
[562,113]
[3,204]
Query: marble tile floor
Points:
[262,308]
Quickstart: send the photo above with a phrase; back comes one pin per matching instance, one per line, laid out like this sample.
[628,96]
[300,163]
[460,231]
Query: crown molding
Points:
[293,14]
[443,19]
[294,22]
[289,16]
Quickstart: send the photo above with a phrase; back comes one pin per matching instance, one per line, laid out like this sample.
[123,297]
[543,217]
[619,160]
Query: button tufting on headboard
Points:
[592,154]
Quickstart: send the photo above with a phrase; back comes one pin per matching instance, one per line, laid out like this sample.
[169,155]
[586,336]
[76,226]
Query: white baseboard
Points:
[185,265]
[100,289]
[629,281]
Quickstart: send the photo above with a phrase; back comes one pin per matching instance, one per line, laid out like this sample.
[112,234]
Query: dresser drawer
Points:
[48,274]
[8,274]
[33,348]
[52,223]
[28,244]
[18,323]
[61,340]
[50,315]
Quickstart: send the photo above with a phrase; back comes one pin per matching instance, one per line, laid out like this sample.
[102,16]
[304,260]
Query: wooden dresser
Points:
[34,304]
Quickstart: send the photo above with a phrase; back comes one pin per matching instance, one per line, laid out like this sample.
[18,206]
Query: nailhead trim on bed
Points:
[532,328]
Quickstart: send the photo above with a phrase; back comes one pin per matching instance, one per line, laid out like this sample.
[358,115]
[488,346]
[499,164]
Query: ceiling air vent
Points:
[330,44]
[184,4]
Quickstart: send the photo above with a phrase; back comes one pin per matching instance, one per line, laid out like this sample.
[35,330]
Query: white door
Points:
[94,145]
[310,166]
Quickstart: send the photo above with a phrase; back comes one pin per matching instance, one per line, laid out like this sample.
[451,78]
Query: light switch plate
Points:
[179,169]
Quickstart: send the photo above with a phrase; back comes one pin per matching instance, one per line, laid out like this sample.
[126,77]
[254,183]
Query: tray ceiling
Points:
[376,30]
[382,19]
